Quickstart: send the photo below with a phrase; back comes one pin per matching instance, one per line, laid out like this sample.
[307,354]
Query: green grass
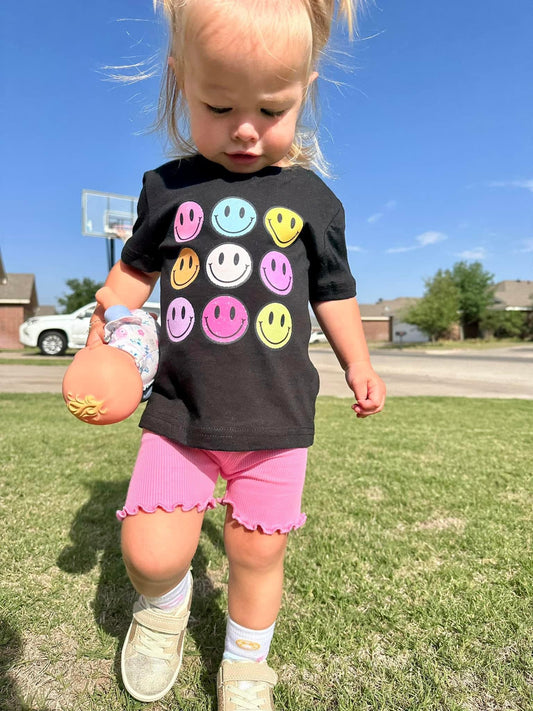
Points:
[33,356]
[65,360]
[410,587]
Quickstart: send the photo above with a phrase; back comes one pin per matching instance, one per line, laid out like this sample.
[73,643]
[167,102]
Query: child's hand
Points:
[368,388]
[96,332]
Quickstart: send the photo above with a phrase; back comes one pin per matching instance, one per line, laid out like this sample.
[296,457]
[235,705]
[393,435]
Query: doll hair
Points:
[300,15]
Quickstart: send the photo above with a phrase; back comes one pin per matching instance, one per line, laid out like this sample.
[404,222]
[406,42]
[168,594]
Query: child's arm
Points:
[131,287]
[341,322]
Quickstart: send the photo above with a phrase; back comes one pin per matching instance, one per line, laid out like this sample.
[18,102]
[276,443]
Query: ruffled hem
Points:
[133,510]
[269,530]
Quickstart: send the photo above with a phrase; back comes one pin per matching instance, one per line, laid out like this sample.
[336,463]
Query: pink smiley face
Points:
[276,273]
[188,221]
[225,320]
[180,319]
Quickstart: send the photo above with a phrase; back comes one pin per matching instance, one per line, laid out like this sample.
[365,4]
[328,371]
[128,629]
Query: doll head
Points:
[102,385]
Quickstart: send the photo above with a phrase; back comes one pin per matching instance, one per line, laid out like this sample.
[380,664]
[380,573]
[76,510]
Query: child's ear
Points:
[312,77]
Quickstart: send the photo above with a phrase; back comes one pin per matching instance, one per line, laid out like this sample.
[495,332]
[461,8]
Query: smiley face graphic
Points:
[248,645]
[225,319]
[188,221]
[274,325]
[186,268]
[180,319]
[233,217]
[276,273]
[283,225]
[229,265]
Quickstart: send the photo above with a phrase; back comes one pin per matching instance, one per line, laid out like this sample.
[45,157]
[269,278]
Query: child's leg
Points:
[255,574]
[158,548]
[255,587]
[263,497]
[171,487]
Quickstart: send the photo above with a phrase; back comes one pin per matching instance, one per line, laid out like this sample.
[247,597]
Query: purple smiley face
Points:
[276,273]
[188,221]
[225,320]
[180,319]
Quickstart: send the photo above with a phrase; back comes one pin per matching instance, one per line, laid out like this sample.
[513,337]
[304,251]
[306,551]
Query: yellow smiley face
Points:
[248,645]
[274,325]
[185,269]
[283,225]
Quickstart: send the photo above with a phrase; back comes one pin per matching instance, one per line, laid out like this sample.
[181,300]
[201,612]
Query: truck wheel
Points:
[53,343]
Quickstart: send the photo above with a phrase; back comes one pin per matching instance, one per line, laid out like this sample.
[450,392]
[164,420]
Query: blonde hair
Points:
[318,14]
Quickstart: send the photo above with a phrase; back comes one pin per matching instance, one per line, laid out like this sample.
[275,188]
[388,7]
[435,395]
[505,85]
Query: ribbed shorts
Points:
[264,488]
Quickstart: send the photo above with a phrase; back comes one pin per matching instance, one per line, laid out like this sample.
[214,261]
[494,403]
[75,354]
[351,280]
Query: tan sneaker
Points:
[245,686]
[152,652]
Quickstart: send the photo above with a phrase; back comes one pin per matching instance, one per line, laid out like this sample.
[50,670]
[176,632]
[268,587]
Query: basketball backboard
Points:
[107,215]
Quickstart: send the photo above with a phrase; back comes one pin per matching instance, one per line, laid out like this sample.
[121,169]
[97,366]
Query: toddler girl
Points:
[243,235]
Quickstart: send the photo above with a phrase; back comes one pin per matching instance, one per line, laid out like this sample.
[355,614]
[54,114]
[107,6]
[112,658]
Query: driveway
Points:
[495,373]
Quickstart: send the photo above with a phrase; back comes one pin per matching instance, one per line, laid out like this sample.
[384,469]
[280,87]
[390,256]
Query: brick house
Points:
[383,321]
[18,301]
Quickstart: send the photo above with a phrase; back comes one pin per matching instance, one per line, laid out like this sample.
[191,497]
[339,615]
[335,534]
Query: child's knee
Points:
[253,549]
[153,551]
[143,565]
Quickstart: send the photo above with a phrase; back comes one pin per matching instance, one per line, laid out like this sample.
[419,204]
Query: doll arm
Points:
[341,322]
[130,287]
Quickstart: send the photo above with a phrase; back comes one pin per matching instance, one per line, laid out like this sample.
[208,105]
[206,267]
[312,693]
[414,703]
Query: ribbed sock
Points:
[243,644]
[173,598]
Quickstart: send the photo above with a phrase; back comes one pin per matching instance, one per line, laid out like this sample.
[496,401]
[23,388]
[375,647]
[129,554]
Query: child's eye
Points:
[218,109]
[272,114]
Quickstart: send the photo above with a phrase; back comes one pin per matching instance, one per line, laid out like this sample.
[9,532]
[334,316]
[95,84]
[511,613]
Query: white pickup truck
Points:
[54,334]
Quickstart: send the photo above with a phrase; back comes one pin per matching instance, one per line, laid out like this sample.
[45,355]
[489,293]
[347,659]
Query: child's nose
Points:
[245,131]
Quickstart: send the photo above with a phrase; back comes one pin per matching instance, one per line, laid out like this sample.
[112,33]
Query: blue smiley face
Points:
[233,217]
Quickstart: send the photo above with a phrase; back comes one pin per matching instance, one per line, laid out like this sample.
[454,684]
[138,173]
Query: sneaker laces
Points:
[244,696]
[153,644]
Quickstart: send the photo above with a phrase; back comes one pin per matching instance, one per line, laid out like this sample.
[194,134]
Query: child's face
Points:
[243,103]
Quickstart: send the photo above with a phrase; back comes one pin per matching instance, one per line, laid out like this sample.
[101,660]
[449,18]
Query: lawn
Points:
[410,587]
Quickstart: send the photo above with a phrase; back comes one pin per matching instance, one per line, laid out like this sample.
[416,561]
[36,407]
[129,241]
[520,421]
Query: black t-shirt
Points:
[240,257]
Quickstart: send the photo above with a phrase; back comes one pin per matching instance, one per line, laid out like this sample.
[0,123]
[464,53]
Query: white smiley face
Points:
[229,265]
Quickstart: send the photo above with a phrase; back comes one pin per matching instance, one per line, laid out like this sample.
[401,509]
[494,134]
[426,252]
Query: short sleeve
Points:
[141,250]
[330,277]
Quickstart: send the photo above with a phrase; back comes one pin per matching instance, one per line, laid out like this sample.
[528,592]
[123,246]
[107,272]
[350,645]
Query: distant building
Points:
[18,301]
[383,321]
[514,295]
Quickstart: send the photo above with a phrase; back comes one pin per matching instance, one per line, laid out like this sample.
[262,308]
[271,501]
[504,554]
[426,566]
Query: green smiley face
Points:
[274,325]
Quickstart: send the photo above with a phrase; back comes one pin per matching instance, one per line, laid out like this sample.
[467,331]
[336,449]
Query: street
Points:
[494,373]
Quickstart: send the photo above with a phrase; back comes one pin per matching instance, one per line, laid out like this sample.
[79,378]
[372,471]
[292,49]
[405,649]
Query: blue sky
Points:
[430,136]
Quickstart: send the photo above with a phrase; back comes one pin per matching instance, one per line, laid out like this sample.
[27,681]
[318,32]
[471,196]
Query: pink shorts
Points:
[264,487]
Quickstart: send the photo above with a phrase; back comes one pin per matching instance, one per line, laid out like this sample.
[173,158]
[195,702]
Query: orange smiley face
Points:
[185,269]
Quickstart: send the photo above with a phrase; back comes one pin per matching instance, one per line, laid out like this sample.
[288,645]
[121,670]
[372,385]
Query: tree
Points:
[437,310]
[506,324]
[82,292]
[476,293]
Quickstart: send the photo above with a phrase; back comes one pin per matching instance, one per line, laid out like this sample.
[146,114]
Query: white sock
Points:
[173,598]
[243,644]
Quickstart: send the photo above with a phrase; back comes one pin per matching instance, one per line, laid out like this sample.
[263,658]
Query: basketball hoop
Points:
[120,231]
[108,215]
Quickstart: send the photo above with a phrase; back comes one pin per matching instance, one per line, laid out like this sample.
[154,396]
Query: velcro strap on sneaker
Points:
[248,671]
[169,624]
